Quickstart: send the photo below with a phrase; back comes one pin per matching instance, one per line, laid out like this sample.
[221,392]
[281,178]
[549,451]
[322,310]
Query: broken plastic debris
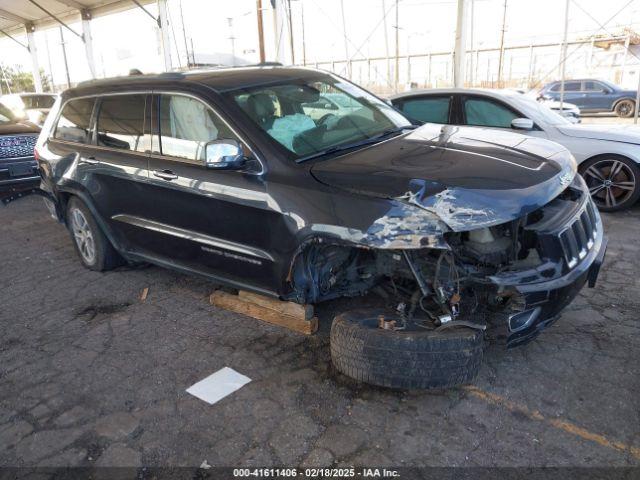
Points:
[218,385]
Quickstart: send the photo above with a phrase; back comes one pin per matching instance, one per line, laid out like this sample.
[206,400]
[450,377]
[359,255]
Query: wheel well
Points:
[622,100]
[600,156]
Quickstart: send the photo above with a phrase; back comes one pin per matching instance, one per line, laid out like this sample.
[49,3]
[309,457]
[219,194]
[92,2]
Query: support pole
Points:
[346,40]
[260,31]
[563,55]
[397,64]
[471,24]
[501,58]
[88,41]
[64,57]
[635,115]
[164,33]
[459,62]
[35,67]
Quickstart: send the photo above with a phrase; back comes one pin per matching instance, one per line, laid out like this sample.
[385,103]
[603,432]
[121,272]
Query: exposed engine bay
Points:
[458,285]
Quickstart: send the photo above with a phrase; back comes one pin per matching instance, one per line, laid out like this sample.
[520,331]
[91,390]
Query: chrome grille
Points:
[16,146]
[578,238]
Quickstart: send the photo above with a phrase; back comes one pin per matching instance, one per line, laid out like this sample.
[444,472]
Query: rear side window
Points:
[121,123]
[75,121]
[487,113]
[187,125]
[427,110]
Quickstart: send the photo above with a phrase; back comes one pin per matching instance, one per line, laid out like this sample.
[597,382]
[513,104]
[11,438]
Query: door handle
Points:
[165,174]
[89,160]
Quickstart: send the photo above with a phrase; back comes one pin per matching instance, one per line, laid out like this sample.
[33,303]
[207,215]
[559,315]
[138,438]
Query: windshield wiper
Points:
[360,143]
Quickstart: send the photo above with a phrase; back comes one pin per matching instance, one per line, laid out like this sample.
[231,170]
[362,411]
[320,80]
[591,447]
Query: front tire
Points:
[93,247]
[625,108]
[407,359]
[613,181]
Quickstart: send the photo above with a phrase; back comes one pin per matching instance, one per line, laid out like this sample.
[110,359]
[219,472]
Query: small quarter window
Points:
[187,125]
[121,123]
[75,120]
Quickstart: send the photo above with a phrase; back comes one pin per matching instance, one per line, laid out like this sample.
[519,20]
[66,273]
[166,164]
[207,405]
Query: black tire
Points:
[613,180]
[416,359]
[625,108]
[104,255]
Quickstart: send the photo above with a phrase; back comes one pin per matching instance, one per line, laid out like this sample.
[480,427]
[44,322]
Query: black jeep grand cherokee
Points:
[253,178]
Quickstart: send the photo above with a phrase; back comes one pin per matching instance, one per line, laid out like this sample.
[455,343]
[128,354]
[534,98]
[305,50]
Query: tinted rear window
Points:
[121,122]
[74,122]
[428,110]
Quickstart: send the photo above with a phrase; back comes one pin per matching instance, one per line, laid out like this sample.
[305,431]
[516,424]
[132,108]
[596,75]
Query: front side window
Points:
[593,87]
[308,118]
[427,109]
[187,125]
[75,120]
[121,123]
[483,112]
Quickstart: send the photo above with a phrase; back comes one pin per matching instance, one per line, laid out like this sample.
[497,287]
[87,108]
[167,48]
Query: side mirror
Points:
[224,154]
[522,124]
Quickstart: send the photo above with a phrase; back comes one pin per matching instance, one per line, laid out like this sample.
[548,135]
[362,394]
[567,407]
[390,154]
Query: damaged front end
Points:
[516,276]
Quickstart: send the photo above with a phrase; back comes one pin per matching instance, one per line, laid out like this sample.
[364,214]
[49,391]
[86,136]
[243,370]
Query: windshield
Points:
[543,112]
[309,118]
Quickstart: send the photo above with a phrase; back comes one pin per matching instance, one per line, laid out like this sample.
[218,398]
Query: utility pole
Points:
[346,41]
[501,59]
[64,56]
[290,14]
[232,39]
[459,62]
[260,30]
[563,58]
[184,34]
[304,45]
[471,44]
[397,67]
[386,41]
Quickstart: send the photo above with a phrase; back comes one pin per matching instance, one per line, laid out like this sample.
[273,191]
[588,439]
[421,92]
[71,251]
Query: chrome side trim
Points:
[191,235]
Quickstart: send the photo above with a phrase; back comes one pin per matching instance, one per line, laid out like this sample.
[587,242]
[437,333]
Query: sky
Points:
[130,39]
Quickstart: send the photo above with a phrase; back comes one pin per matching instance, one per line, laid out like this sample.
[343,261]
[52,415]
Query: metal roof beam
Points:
[14,39]
[12,17]
[57,19]
[73,4]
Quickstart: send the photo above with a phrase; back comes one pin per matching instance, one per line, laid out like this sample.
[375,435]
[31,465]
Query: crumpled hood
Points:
[614,133]
[470,178]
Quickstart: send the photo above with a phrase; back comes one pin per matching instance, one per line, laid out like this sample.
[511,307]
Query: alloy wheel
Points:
[611,182]
[83,236]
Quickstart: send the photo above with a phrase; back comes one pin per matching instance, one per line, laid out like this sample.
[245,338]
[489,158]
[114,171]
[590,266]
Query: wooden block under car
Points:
[296,317]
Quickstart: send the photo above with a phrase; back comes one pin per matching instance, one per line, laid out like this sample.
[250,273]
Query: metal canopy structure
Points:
[18,17]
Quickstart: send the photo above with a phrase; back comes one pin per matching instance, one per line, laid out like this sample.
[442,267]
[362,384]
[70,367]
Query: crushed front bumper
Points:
[581,246]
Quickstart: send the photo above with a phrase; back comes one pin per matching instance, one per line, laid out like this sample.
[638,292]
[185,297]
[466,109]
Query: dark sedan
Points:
[594,96]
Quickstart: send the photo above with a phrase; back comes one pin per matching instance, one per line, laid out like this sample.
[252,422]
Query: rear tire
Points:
[416,359]
[625,108]
[93,247]
[613,181]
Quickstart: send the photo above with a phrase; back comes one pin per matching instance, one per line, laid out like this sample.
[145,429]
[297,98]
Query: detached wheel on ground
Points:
[412,358]
[625,108]
[613,181]
[93,247]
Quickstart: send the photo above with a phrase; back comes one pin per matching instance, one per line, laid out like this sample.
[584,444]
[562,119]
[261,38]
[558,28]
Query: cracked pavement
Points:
[92,375]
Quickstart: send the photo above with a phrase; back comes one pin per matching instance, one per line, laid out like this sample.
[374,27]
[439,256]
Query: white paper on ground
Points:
[218,385]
